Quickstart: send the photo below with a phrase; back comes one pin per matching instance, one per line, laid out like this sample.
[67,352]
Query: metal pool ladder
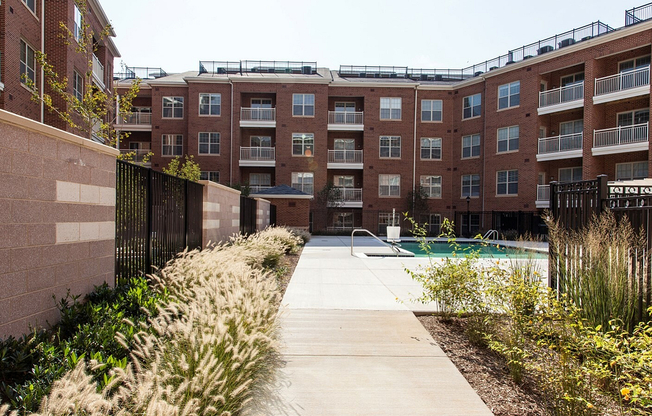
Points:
[490,233]
[392,246]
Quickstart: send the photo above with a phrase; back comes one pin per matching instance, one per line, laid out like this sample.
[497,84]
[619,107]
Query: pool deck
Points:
[352,344]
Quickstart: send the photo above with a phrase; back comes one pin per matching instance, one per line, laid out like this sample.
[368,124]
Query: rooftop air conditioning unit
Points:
[566,42]
[439,77]
[544,49]
[307,70]
[424,77]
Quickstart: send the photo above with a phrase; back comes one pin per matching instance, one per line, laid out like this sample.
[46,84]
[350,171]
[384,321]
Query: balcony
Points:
[137,156]
[565,146]
[345,121]
[345,159]
[561,99]
[98,72]
[136,121]
[623,139]
[258,156]
[543,196]
[348,198]
[258,117]
[622,85]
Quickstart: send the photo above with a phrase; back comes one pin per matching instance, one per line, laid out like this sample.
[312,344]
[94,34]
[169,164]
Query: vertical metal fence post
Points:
[148,222]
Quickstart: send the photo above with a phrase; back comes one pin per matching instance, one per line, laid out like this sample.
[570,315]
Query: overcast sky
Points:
[175,35]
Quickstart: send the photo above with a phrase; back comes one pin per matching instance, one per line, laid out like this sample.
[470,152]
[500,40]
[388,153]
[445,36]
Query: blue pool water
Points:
[443,249]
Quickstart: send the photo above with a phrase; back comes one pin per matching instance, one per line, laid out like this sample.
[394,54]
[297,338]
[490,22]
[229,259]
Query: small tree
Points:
[189,169]
[90,110]
[327,200]
[417,202]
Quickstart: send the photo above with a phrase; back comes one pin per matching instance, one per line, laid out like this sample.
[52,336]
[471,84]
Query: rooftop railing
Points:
[367,71]
[273,67]
[638,14]
[561,95]
[140,72]
[623,81]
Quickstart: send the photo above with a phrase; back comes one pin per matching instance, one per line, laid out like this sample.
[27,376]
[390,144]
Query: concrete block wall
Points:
[57,220]
[263,212]
[221,216]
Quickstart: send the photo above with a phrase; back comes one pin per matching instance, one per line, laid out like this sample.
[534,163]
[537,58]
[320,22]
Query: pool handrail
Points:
[490,233]
[391,246]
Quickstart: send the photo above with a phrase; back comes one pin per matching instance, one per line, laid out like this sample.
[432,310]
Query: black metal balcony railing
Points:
[273,67]
[139,72]
[638,14]
[515,55]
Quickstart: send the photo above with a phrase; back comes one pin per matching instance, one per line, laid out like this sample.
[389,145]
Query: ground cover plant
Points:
[207,345]
[579,365]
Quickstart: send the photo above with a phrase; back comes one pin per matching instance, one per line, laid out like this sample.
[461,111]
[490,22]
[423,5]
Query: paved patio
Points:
[352,344]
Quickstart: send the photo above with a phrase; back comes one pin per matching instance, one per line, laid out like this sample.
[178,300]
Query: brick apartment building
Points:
[26,26]
[483,142]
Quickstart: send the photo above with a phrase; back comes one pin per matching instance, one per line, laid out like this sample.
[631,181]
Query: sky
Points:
[175,35]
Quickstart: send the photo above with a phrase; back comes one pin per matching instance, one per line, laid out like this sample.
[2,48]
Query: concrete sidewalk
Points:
[352,348]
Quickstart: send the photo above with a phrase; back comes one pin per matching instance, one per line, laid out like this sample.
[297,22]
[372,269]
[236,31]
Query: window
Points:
[261,103]
[571,127]
[507,182]
[573,174]
[430,149]
[341,110]
[390,108]
[343,181]
[172,107]
[432,186]
[303,181]
[27,63]
[259,181]
[303,144]
[631,171]
[209,143]
[432,223]
[471,146]
[389,185]
[509,95]
[209,176]
[474,223]
[633,117]
[172,145]
[633,64]
[470,185]
[77,26]
[572,79]
[431,110]
[31,4]
[303,105]
[260,141]
[390,146]
[508,139]
[472,106]
[210,104]
[78,86]
[343,220]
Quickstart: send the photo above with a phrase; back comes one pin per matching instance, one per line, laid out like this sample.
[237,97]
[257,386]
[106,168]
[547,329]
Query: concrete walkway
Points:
[353,346]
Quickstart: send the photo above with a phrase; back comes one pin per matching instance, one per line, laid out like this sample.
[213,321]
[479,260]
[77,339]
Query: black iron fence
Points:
[157,216]
[638,14]
[248,207]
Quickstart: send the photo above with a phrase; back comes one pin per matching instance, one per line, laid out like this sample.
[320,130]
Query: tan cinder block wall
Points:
[57,220]
[221,218]
[262,213]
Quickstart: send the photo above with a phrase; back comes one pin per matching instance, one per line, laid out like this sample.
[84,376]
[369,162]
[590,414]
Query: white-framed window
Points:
[507,182]
[474,223]
[172,107]
[303,181]
[303,144]
[213,176]
[631,170]
[431,110]
[430,148]
[27,63]
[343,220]
[572,174]
[389,185]
[432,223]
[261,103]
[78,86]
[472,106]
[471,146]
[77,25]
[572,79]
[629,118]
[390,108]
[259,181]
[390,147]
[508,139]
[343,181]
[509,95]
[260,141]
[633,64]
[431,185]
[303,105]
[344,144]
[470,185]
[571,127]
[344,107]
[172,145]
[31,4]
[209,143]
[210,104]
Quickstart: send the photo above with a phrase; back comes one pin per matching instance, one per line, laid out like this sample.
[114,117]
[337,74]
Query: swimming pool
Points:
[443,249]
